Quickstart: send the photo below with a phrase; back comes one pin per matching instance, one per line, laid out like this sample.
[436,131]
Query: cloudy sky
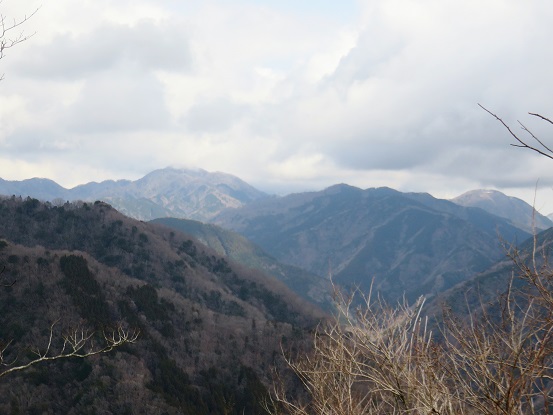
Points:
[289,95]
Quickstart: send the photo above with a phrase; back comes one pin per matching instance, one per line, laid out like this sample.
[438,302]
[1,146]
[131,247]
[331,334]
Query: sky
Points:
[288,95]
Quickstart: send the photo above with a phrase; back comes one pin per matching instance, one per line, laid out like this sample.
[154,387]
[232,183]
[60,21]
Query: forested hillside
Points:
[401,243]
[312,287]
[209,330]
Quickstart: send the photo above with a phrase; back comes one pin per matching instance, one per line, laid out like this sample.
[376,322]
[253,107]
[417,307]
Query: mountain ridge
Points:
[407,243]
[209,329]
[236,247]
[344,231]
[197,194]
[191,193]
[519,212]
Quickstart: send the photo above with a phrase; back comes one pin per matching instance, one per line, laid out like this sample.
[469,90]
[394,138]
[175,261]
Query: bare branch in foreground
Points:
[377,359]
[542,149]
[11,33]
[78,343]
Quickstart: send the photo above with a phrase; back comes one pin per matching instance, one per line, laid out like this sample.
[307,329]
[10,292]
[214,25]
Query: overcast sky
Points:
[289,95]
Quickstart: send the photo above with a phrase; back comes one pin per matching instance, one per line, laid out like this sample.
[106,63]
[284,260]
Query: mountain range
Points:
[403,243]
[200,195]
[216,303]
[184,193]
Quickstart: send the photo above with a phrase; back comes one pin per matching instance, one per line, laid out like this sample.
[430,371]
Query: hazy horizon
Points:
[288,96]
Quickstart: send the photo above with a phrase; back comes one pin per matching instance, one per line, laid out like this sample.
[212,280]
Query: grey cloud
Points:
[519,181]
[125,152]
[403,98]
[146,44]
[367,59]
[213,116]
[377,155]
[34,144]
[411,115]
[124,100]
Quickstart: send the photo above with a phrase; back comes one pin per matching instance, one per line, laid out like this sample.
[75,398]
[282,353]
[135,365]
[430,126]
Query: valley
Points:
[217,301]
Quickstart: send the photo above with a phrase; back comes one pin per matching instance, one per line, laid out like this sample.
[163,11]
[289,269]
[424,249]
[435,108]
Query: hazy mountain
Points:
[209,329]
[410,243]
[236,247]
[192,194]
[520,213]
[43,189]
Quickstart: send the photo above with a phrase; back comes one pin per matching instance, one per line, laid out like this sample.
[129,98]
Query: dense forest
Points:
[210,331]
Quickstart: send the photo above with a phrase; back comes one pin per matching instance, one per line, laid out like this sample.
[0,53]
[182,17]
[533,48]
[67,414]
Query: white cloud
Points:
[146,44]
[283,94]
[123,99]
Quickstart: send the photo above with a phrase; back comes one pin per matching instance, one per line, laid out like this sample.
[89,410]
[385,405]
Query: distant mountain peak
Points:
[519,212]
[478,194]
[410,244]
[340,187]
[184,193]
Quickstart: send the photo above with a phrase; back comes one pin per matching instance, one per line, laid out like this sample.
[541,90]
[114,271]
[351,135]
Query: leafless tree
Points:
[539,146]
[12,33]
[372,359]
[73,343]
[76,343]
[377,359]
[501,363]
[495,360]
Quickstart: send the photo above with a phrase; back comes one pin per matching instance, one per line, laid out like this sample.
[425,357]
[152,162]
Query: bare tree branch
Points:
[378,359]
[77,343]
[11,33]
[544,150]
[541,116]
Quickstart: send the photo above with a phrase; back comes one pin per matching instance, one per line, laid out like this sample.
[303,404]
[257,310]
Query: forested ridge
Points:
[210,330]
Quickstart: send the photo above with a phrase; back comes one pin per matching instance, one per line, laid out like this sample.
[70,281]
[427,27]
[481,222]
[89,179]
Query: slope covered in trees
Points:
[209,330]
[406,243]
[236,247]
[483,347]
